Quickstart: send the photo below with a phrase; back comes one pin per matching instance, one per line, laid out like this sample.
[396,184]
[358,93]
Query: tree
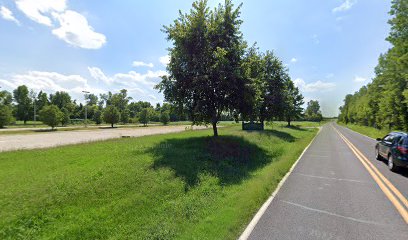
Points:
[65,116]
[22,98]
[6,98]
[145,115]
[51,115]
[91,99]
[313,112]
[61,99]
[111,115]
[97,117]
[293,103]
[165,117]
[42,100]
[120,100]
[125,116]
[275,78]
[205,62]
[255,90]
[6,115]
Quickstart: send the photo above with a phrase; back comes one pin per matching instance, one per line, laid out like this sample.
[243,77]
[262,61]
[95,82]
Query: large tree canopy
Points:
[205,67]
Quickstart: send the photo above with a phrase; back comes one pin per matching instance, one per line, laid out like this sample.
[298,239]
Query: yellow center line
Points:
[366,163]
[385,180]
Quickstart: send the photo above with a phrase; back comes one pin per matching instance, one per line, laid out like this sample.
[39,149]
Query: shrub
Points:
[51,115]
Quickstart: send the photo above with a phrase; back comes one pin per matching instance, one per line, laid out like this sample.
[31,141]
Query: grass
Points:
[175,186]
[368,131]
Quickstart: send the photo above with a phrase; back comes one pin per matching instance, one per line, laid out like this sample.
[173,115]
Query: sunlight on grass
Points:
[183,185]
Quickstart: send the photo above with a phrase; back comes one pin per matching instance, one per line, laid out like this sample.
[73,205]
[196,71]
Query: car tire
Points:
[377,154]
[391,164]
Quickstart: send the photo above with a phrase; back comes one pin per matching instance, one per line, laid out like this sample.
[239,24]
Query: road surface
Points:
[52,139]
[338,190]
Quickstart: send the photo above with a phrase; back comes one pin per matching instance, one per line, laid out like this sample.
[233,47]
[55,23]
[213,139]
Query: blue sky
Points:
[330,46]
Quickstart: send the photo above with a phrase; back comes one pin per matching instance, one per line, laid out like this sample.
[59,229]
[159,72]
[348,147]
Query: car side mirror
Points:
[379,139]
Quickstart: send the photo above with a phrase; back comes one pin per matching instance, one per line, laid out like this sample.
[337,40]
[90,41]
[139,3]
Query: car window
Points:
[396,139]
[405,141]
[388,138]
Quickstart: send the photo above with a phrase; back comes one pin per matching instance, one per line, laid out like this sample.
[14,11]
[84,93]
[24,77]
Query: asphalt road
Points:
[52,139]
[332,195]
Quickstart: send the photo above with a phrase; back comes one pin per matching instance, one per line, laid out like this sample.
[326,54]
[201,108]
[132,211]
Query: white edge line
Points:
[261,211]
[355,131]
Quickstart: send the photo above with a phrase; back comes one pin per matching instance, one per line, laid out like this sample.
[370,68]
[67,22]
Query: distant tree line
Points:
[59,109]
[384,102]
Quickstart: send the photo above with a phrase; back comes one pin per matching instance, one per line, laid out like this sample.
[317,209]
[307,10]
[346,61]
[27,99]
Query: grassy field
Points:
[368,131]
[185,185]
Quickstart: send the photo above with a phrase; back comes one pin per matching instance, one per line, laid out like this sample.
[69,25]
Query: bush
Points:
[111,115]
[6,116]
[165,117]
[51,115]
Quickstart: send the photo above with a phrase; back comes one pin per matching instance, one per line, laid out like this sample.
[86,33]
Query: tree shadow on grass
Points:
[46,130]
[230,158]
[287,137]
[296,127]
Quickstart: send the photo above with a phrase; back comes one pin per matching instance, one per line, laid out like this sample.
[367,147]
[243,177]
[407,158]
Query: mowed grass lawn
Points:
[177,186]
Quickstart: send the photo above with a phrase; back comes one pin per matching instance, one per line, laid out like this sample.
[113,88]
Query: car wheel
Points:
[377,154]
[391,164]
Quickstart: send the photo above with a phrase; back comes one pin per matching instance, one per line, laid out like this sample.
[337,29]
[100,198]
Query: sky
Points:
[330,47]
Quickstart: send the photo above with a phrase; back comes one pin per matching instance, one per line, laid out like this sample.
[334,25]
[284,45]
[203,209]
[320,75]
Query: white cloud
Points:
[98,75]
[165,60]
[293,60]
[8,15]
[139,85]
[315,86]
[359,79]
[131,79]
[346,5]
[142,64]
[69,26]
[39,10]
[76,31]
[48,82]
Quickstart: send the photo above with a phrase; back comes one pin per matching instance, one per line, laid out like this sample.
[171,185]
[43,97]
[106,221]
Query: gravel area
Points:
[52,139]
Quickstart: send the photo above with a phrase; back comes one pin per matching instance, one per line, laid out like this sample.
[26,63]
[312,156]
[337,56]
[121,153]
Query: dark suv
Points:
[393,148]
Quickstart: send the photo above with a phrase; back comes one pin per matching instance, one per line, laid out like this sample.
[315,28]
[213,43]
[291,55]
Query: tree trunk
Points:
[112,125]
[214,124]
[288,122]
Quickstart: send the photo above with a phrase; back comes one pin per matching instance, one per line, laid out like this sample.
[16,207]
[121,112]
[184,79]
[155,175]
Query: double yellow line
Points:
[392,193]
